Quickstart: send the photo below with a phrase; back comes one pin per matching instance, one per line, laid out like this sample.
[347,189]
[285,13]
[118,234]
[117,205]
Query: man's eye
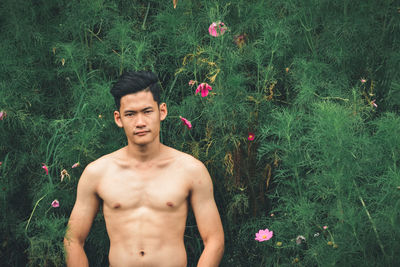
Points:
[147,111]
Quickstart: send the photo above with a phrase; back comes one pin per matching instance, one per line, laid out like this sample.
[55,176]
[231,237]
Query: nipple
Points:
[116,205]
[170,204]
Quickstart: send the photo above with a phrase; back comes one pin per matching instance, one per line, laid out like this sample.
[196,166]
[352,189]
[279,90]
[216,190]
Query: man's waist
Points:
[132,241]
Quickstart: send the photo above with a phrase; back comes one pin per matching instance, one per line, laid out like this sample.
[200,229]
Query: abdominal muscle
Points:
[168,255]
[144,237]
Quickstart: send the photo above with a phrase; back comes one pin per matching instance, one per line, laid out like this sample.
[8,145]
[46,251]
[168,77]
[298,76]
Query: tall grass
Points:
[303,76]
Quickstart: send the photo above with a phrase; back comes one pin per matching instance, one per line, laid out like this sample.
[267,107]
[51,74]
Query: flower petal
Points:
[55,203]
[217,28]
[264,235]
[198,88]
[186,122]
[45,168]
[251,136]
[204,92]
[76,165]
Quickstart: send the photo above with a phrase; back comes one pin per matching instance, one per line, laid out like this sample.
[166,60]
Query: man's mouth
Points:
[141,133]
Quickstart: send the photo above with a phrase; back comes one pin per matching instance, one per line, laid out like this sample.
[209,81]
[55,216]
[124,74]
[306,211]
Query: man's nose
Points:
[140,121]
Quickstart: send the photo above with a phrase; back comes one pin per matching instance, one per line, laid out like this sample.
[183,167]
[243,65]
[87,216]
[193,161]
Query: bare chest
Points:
[155,190]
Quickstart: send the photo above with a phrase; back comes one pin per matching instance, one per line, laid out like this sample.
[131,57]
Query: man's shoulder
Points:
[188,162]
[184,158]
[99,165]
[195,172]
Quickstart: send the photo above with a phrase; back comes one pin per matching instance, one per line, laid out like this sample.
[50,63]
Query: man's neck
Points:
[145,153]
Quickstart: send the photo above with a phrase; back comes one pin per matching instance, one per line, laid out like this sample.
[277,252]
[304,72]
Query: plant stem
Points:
[370,219]
[33,211]
[145,17]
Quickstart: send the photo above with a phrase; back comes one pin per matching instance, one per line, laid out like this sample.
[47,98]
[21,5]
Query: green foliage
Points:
[288,71]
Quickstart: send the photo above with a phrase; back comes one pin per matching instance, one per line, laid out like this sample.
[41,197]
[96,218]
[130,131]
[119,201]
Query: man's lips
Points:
[141,132]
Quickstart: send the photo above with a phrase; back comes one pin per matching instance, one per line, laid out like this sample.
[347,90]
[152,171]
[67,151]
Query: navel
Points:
[141,253]
[170,204]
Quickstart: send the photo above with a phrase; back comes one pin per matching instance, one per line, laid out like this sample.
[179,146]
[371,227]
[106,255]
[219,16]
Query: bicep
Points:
[204,207]
[85,208]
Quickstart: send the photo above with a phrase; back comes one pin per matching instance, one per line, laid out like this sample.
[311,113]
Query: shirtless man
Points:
[145,189]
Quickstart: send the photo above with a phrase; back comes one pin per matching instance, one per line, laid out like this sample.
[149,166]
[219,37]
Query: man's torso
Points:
[145,209]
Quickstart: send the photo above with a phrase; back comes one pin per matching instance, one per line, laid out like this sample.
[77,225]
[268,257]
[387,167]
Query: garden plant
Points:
[292,105]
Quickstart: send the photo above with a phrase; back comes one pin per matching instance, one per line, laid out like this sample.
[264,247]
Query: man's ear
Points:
[117,119]
[163,111]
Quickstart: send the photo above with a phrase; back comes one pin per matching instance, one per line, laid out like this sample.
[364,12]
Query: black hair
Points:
[135,81]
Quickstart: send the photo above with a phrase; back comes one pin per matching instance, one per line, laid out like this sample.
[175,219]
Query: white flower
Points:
[300,239]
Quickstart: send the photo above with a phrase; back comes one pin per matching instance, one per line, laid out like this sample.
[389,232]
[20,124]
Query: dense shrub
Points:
[316,82]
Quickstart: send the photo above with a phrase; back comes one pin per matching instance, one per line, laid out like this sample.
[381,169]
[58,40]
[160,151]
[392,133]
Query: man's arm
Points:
[207,217]
[82,215]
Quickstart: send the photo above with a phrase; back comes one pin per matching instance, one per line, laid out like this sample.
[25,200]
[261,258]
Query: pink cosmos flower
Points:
[264,235]
[76,165]
[192,82]
[55,204]
[186,122]
[251,137]
[363,80]
[373,103]
[325,227]
[45,168]
[217,28]
[3,115]
[203,88]
[1,163]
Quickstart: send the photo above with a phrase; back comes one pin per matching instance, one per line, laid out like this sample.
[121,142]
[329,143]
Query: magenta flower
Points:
[203,88]
[217,28]
[251,137]
[55,204]
[76,165]
[3,115]
[264,235]
[373,103]
[186,122]
[45,168]
[363,80]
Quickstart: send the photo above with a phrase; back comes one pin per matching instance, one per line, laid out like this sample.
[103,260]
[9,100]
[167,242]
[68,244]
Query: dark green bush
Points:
[303,76]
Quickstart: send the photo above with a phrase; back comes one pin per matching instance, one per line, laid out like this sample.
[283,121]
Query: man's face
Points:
[140,117]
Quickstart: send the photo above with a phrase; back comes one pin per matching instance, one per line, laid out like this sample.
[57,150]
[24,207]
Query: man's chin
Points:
[141,141]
